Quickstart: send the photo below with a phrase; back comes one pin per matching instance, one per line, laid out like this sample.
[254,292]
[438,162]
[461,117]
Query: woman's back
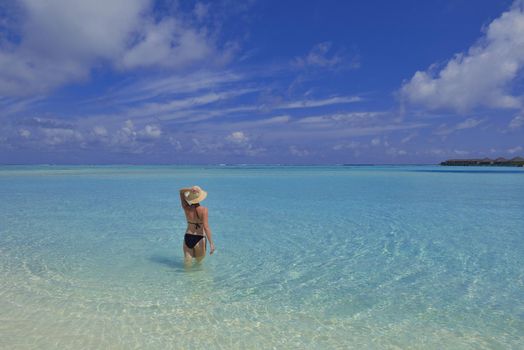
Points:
[193,217]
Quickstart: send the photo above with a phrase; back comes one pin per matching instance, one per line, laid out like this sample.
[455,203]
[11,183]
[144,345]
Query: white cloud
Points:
[375,141]
[57,136]
[126,135]
[152,131]
[60,41]
[517,121]
[480,77]
[99,131]
[515,149]
[237,137]
[129,128]
[393,151]
[24,133]
[294,150]
[240,144]
[129,136]
[176,143]
[169,44]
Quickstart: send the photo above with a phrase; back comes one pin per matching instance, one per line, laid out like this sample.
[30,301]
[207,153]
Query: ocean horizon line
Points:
[216,164]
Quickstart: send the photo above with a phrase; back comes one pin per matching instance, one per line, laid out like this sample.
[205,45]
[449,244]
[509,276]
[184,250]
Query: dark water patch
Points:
[171,262]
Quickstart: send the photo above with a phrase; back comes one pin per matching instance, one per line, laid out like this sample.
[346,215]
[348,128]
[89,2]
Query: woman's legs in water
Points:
[188,254]
[199,250]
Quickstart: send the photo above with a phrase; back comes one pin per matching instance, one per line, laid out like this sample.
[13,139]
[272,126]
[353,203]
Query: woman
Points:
[197,224]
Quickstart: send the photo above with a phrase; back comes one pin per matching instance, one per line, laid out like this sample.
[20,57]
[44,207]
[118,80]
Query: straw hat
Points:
[195,195]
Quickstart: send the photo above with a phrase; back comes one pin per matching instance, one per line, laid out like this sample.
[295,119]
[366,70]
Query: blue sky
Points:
[295,82]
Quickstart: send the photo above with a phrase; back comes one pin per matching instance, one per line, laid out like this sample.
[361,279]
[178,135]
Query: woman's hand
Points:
[211,248]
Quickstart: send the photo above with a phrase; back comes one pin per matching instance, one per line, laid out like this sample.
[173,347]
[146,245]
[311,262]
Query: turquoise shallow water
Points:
[307,257]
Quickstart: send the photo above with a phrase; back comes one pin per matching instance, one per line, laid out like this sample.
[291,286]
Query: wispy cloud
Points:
[515,150]
[155,86]
[408,138]
[261,123]
[517,122]
[322,55]
[155,108]
[319,103]
[395,152]
[351,145]
[348,117]
[466,124]
[298,152]
[375,141]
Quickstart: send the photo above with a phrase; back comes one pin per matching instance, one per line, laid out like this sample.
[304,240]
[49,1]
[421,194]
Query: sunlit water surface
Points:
[307,257]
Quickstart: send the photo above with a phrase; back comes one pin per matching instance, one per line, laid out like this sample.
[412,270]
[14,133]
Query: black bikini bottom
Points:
[192,240]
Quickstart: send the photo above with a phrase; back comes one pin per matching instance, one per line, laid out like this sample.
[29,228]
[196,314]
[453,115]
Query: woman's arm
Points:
[183,202]
[207,231]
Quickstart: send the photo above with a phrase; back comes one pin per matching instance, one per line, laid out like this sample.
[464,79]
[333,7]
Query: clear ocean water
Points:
[367,257]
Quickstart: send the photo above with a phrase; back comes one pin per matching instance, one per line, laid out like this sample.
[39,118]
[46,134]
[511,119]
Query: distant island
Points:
[517,161]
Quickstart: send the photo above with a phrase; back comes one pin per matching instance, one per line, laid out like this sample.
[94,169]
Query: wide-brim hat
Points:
[195,195]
